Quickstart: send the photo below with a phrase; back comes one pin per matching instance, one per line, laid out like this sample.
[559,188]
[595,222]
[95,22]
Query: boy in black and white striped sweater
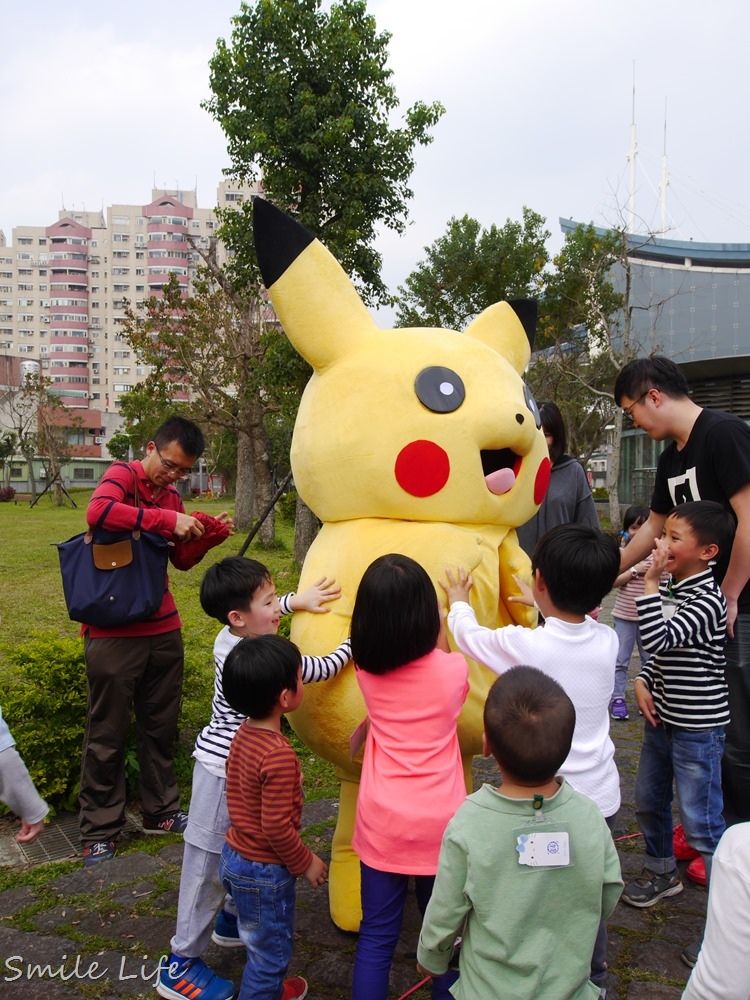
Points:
[682,695]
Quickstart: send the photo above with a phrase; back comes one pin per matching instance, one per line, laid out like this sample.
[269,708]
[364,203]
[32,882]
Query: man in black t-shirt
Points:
[707,459]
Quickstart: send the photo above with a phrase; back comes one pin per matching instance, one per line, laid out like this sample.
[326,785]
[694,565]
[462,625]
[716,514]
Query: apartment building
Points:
[63,289]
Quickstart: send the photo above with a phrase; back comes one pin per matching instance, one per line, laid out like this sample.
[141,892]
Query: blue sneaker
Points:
[191,979]
[102,850]
[225,932]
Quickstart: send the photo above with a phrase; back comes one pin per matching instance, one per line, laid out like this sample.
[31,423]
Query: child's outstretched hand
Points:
[29,832]
[457,589]
[317,872]
[525,597]
[317,596]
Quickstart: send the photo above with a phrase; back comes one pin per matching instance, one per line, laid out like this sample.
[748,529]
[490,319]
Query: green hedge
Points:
[44,704]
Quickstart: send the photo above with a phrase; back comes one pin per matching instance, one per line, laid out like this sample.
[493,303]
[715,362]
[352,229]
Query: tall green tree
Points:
[469,268]
[306,100]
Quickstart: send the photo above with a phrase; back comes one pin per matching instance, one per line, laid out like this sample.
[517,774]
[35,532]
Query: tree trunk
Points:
[263,487]
[28,455]
[613,473]
[245,485]
[254,483]
[306,526]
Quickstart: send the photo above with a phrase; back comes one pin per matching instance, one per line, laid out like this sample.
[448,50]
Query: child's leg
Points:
[201,891]
[627,632]
[201,896]
[697,771]
[599,958]
[265,899]
[653,798]
[423,885]
[383,897]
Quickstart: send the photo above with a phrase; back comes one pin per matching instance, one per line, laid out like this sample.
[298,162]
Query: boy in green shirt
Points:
[523,865]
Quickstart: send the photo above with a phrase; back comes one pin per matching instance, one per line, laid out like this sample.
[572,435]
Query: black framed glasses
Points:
[627,411]
[178,471]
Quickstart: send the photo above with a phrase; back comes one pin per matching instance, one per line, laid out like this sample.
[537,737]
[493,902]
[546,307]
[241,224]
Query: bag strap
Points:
[136,503]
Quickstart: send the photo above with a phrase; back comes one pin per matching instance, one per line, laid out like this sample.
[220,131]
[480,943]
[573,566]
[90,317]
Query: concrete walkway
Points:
[99,933]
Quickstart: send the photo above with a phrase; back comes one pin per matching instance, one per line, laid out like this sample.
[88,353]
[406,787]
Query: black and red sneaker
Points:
[175,823]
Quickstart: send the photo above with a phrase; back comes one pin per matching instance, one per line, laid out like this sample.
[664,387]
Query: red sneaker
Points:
[680,847]
[294,988]
[696,871]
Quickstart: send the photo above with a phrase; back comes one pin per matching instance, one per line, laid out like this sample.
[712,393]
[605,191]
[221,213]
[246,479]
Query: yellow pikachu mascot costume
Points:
[424,442]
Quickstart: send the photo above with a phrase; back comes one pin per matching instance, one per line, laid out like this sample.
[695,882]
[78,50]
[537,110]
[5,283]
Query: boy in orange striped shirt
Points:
[264,853]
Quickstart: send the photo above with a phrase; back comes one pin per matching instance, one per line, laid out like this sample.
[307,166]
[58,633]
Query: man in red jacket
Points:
[141,664]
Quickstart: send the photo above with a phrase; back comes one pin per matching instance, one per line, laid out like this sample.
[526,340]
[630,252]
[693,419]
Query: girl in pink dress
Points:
[412,776]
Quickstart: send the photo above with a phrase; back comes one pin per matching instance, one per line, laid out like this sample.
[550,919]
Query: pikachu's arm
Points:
[514,560]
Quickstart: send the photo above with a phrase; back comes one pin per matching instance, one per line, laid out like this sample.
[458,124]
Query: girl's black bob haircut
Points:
[396,617]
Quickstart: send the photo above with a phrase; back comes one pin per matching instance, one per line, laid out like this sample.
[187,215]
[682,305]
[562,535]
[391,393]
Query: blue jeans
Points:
[628,635]
[692,761]
[736,763]
[383,899]
[264,896]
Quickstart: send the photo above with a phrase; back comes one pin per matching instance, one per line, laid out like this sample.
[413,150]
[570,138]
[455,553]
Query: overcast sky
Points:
[100,100]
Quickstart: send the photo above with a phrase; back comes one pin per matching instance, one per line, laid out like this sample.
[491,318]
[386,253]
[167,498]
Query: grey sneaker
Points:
[690,952]
[649,888]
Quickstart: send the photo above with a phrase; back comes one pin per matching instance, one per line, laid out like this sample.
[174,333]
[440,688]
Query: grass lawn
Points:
[32,606]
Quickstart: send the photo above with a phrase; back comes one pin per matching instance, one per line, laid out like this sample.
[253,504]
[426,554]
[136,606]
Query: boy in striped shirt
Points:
[682,695]
[241,594]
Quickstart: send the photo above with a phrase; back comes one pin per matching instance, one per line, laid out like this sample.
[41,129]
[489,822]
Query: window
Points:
[121,387]
[25,348]
[25,241]
[233,196]
[121,370]
[120,220]
[121,238]
[120,270]
[121,354]
[43,242]
[96,395]
[22,287]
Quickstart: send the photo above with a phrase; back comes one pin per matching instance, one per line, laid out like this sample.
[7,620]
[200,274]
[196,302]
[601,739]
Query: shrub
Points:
[6,494]
[287,506]
[45,708]
[44,704]
[601,493]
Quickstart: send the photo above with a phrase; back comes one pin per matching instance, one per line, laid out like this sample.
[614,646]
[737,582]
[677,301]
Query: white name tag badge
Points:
[543,849]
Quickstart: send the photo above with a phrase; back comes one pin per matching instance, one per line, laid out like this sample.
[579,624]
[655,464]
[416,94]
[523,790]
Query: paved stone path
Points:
[98,933]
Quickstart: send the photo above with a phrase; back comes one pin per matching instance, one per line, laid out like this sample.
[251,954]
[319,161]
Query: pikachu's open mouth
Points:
[501,467]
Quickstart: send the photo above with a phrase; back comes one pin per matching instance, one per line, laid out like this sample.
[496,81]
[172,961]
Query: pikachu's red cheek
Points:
[422,468]
[542,480]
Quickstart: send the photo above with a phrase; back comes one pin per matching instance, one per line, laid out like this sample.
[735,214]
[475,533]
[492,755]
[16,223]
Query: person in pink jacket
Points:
[412,777]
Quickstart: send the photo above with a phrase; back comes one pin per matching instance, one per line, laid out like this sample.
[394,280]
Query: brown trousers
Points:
[144,672]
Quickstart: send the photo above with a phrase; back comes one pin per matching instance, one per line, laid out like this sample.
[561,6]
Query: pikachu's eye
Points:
[531,403]
[439,389]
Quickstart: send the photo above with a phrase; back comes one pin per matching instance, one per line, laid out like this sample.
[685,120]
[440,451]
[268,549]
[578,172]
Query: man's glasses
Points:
[627,411]
[178,471]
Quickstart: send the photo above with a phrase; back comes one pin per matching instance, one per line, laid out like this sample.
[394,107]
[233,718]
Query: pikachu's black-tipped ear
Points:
[279,240]
[527,311]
